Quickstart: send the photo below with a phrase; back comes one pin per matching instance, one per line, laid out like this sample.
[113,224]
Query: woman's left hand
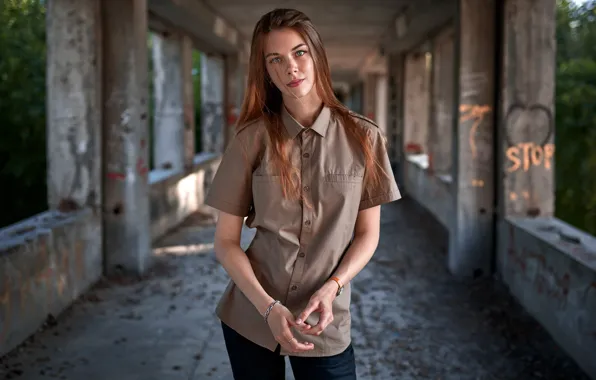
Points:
[320,302]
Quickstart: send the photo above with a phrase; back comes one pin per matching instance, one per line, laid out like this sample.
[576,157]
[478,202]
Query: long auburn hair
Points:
[263,100]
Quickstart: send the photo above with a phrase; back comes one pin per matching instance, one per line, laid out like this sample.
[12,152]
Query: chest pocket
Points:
[345,184]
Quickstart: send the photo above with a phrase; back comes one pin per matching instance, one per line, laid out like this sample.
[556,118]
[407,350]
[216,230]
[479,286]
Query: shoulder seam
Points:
[354,114]
[246,125]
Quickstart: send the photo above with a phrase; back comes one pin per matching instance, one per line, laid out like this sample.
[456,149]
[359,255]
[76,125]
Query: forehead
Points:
[282,41]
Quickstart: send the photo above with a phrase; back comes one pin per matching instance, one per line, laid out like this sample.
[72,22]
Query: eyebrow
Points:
[294,48]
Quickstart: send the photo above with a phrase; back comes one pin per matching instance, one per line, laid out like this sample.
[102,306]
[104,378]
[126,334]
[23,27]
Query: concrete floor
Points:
[412,320]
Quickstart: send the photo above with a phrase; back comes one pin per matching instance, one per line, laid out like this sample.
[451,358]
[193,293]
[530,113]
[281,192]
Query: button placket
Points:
[305,170]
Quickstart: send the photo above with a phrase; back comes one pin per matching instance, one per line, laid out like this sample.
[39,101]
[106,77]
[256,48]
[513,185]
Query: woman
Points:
[310,176]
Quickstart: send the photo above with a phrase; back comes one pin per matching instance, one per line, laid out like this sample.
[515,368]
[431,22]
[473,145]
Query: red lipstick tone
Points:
[295,83]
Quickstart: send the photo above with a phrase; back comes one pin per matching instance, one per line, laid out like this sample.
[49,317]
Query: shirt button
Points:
[294,287]
[306,188]
[307,222]
[306,155]
[301,254]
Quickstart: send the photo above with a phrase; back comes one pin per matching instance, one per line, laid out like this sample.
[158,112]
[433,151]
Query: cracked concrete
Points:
[411,319]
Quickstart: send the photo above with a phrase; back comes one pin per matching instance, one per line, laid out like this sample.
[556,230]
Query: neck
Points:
[305,110]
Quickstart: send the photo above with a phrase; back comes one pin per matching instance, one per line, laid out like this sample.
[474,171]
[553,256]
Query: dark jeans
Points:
[252,362]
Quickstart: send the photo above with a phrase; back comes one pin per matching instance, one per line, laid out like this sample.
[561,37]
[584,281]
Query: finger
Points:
[324,320]
[297,346]
[312,306]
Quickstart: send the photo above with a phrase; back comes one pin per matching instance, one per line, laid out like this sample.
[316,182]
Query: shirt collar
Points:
[294,128]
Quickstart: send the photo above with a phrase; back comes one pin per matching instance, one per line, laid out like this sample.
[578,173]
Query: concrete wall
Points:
[431,191]
[46,262]
[554,278]
[175,195]
[49,260]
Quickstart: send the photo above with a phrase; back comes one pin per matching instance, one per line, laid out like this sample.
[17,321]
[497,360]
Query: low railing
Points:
[47,261]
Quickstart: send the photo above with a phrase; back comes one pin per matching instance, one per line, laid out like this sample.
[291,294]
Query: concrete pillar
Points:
[381,101]
[527,109]
[188,100]
[395,117]
[441,115]
[168,125]
[471,240]
[126,190]
[231,90]
[369,96]
[212,104]
[416,102]
[74,104]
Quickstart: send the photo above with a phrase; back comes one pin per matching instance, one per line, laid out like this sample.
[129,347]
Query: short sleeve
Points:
[386,191]
[231,189]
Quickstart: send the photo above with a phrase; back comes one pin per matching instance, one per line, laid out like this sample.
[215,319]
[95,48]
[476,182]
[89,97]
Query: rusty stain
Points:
[141,167]
[113,175]
[68,205]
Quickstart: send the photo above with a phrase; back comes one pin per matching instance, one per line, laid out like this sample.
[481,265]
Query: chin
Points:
[299,92]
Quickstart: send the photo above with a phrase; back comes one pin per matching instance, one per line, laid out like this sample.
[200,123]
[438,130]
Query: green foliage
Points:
[22,109]
[575,115]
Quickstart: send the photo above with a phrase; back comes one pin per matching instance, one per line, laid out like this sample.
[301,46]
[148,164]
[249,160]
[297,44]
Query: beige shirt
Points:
[297,248]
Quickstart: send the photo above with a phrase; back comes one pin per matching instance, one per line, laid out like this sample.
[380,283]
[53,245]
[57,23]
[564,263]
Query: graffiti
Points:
[515,196]
[545,280]
[477,183]
[525,155]
[536,120]
[476,113]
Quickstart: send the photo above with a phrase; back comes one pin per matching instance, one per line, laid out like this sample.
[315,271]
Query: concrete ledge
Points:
[550,267]
[430,191]
[175,195]
[46,262]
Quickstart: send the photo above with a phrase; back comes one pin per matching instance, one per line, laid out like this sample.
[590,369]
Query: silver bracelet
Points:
[269,309]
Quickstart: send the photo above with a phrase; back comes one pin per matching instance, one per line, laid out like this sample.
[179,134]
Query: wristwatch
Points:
[339,285]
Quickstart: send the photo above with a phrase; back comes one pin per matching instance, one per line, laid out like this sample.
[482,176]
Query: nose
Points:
[292,67]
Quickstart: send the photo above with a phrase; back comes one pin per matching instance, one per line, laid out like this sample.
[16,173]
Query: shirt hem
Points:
[224,206]
[379,200]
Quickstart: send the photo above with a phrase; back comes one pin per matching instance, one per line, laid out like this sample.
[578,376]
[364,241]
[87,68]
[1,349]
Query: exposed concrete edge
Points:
[211,32]
[174,195]
[157,176]
[554,280]
[568,240]
[46,262]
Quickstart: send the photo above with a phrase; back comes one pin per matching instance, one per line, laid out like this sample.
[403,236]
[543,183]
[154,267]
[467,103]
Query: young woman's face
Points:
[289,63]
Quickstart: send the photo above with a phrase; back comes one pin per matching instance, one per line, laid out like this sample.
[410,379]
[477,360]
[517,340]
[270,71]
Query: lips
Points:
[295,83]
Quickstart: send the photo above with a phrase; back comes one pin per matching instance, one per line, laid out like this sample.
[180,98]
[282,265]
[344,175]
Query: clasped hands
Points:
[281,319]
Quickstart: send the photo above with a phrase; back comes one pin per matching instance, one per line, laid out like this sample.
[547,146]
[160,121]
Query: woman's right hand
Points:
[280,321]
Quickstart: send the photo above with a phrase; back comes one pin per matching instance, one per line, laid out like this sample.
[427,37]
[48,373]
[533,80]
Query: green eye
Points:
[275,60]
[300,53]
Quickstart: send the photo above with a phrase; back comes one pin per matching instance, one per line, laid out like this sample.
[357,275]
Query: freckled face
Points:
[289,63]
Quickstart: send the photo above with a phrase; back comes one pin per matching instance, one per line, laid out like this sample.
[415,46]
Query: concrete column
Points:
[212,104]
[416,102]
[126,189]
[527,109]
[471,237]
[188,99]
[370,89]
[441,115]
[395,117]
[381,101]
[168,125]
[74,104]
[232,87]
